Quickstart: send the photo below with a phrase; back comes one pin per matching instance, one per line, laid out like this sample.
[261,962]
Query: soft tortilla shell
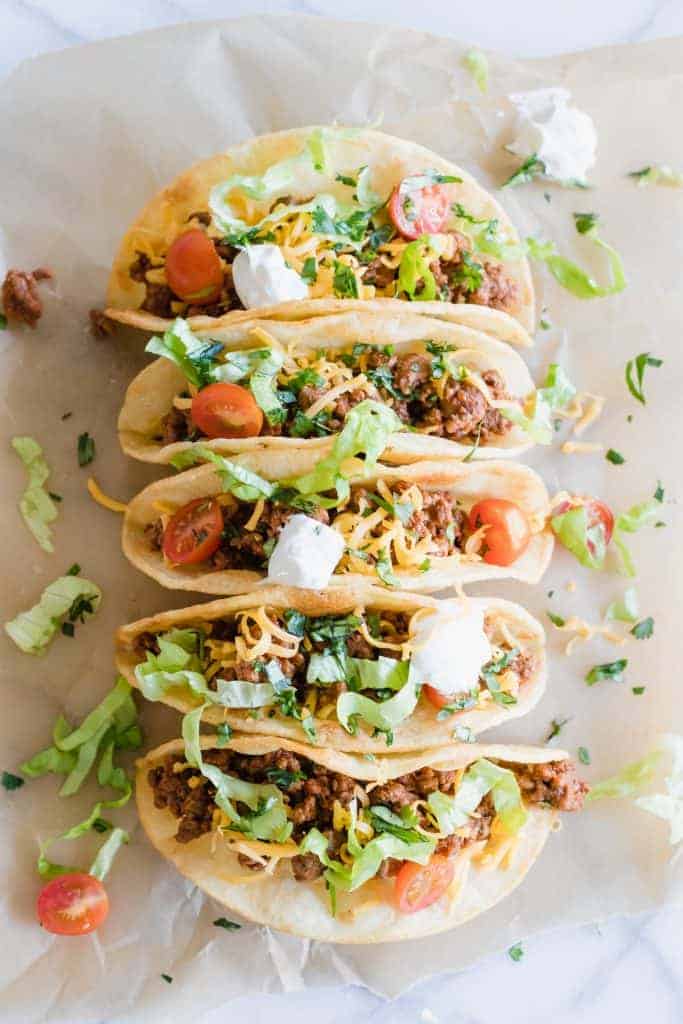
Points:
[421,730]
[302,908]
[390,158]
[150,395]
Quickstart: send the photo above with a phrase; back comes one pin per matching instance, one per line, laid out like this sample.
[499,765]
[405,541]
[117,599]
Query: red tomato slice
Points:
[508,533]
[418,212]
[194,532]
[193,268]
[597,514]
[72,904]
[418,886]
[436,697]
[227,410]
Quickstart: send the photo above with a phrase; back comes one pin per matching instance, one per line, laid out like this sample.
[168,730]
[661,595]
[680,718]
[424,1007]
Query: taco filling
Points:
[407,833]
[367,670]
[268,392]
[254,245]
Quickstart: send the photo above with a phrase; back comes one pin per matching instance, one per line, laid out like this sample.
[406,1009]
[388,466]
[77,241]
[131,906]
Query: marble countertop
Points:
[629,968]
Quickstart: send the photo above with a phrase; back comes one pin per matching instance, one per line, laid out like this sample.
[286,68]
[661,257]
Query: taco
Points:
[454,391]
[352,670]
[316,213]
[222,528]
[334,847]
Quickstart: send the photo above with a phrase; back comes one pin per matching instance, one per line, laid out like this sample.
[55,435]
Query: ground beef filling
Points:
[311,790]
[407,383]
[440,518]
[21,299]
[160,301]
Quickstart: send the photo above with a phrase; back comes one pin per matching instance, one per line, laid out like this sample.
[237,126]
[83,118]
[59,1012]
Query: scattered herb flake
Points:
[638,690]
[545,325]
[616,458]
[530,169]
[68,629]
[55,497]
[73,570]
[551,593]
[309,271]
[344,282]
[636,367]
[644,630]
[516,952]
[659,492]
[86,449]
[66,415]
[10,782]
[584,755]
[230,926]
[3,322]
[609,670]
[555,728]
[223,732]
[167,978]
[556,620]
[585,222]
[101,825]
[345,179]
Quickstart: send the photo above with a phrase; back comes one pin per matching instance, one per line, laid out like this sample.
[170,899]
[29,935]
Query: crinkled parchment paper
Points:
[86,137]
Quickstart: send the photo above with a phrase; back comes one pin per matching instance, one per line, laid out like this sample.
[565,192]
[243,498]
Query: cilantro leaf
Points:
[635,368]
[609,670]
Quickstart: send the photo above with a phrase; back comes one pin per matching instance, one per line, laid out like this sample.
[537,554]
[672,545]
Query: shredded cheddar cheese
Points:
[586,631]
[98,495]
[581,447]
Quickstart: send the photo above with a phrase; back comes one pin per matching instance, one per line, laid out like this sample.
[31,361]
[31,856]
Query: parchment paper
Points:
[86,137]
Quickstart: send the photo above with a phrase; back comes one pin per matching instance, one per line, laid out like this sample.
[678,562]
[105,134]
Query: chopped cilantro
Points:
[55,497]
[167,978]
[584,755]
[3,322]
[530,169]
[616,458]
[644,630]
[283,778]
[659,492]
[85,449]
[516,952]
[469,274]
[638,690]
[309,271]
[223,734]
[101,825]
[556,620]
[610,670]
[73,570]
[637,367]
[66,415]
[555,728]
[585,222]
[10,782]
[344,282]
[230,926]
[551,593]
[545,325]
[346,180]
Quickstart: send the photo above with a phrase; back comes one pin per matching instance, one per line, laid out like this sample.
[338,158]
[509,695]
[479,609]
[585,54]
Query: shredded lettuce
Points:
[236,693]
[236,479]
[587,544]
[477,64]
[37,508]
[414,269]
[569,274]
[259,367]
[101,866]
[628,781]
[361,673]
[367,430]
[669,805]
[481,778]
[268,818]
[383,715]
[368,199]
[33,631]
[195,357]
[537,421]
[557,390]
[625,608]
[643,514]
[657,174]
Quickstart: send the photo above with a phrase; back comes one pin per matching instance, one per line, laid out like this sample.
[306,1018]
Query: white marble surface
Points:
[627,970]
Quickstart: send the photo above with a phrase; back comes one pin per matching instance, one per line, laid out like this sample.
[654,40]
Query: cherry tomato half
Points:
[420,211]
[193,268]
[227,410]
[436,697]
[194,532]
[508,533]
[72,904]
[417,886]
[597,514]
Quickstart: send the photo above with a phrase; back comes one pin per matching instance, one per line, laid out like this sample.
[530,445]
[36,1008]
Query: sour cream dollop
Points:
[451,647]
[306,554]
[562,136]
[261,277]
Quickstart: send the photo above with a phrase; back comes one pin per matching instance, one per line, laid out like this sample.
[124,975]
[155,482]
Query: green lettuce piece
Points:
[645,513]
[558,390]
[569,274]
[268,819]
[625,608]
[628,781]
[572,530]
[367,430]
[259,367]
[368,199]
[36,506]
[195,357]
[236,479]
[46,868]
[537,423]
[383,715]
[669,805]
[329,668]
[414,268]
[33,631]
[236,693]
[477,64]
[101,866]
[657,174]
[481,778]
[381,674]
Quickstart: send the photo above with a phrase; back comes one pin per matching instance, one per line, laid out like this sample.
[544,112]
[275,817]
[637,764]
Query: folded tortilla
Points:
[484,873]
[389,160]
[468,483]
[425,726]
[150,396]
